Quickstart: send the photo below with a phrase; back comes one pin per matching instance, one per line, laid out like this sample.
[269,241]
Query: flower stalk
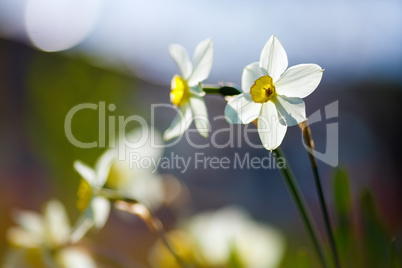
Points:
[153,223]
[308,139]
[301,206]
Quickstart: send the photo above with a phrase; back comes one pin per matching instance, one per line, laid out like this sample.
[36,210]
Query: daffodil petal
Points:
[86,172]
[251,73]
[96,215]
[17,236]
[84,223]
[30,221]
[101,211]
[182,59]
[180,123]
[270,130]
[74,258]
[57,223]
[241,109]
[103,165]
[202,62]
[200,115]
[273,58]
[299,80]
[292,111]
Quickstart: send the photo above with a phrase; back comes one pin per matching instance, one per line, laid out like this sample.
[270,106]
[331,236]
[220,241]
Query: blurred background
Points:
[57,54]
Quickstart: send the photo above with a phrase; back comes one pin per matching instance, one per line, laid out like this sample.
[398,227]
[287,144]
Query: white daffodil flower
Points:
[43,241]
[95,207]
[228,237]
[186,92]
[273,93]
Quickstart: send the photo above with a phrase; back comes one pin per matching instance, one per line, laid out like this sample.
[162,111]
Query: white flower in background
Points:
[95,207]
[43,241]
[186,92]
[229,234]
[134,170]
[128,170]
[273,94]
[225,238]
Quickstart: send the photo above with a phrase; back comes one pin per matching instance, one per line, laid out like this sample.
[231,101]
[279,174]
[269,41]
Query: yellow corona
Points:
[263,89]
[180,92]
[84,195]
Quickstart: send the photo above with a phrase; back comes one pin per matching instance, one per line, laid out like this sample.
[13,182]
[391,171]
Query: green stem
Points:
[326,217]
[301,205]
[310,143]
[212,90]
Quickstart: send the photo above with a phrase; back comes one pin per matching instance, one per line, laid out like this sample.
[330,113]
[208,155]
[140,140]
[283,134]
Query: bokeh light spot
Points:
[56,25]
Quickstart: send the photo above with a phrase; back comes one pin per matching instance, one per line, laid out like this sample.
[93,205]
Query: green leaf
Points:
[342,193]
[303,259]
[394,260]
[344,236]
[375,239]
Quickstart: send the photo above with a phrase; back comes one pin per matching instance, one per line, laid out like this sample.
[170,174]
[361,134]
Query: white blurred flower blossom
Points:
[95,207]
[231,233]
[43,241]
[125,171]
[134,169]
[186,92]
[225,238]
[272,94]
